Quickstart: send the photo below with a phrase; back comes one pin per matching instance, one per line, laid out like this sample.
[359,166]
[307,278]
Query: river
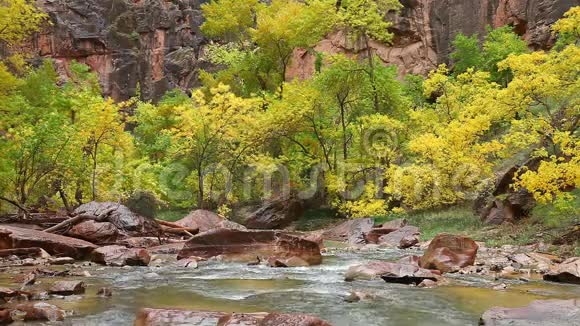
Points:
[318,290]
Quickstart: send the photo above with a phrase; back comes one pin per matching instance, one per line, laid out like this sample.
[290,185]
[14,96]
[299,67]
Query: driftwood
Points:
[180,230]
[170,227]
[168,224]
[78,218]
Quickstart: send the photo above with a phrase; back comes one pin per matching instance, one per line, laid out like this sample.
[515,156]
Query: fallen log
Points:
[180,230]
[167,223]
[79,218]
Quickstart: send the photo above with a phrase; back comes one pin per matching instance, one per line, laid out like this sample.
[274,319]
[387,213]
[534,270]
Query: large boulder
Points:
[96,232]
[566,272]
[373,235]
[206,220]
[276,213]
[538,313]
[448,253]
[161,317]
[245,246]
[122,217]
[352,231]
[391,272]
[54,244]
[501,203]
[402,238]
[121,256]
[39,311]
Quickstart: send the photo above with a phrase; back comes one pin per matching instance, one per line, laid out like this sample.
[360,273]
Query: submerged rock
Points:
[67,288]
[54,244]
[39,311]
[390,272]
[357,296]
[160,317]
[407,274]
[449,253]
[188,263]
[540,313]
[566,272]
[278,319]
[245,246]
[105,292]
[121,256]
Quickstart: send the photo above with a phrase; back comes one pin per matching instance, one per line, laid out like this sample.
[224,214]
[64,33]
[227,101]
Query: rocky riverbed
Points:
[317,290]
[356,273]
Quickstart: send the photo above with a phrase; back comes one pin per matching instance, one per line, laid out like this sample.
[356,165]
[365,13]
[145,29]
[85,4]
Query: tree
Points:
[543,101]
[568,28]
[19,19]
[210,131]
[499,44]
[365,20]
[267,41]
[229,20]
[466,54]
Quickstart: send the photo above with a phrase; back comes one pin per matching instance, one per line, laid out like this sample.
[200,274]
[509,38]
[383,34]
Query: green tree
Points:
[466,54]
[366,20]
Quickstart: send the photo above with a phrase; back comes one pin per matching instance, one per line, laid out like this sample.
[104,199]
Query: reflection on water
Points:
[317,290]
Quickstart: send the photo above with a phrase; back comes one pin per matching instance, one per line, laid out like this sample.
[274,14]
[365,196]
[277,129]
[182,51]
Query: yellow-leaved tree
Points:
[18,19]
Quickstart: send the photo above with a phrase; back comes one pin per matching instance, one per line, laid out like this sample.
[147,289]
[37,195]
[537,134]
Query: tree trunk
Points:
[343,124]
[94,176]
[200,187]
[16,204]
[372,74]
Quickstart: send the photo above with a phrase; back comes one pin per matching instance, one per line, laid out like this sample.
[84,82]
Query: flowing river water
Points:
[318,290]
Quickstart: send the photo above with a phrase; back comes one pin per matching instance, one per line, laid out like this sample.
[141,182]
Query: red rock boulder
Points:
[125,220]
[121,256]
[207,220]
[448,253]
[276,213]
[541,312]
[39,311]
[566,272]
[402,238]
[277,319]
[68,288]
[96,232]
[390,272]
[159,317]
[352,231]
[54,244]
[245,246]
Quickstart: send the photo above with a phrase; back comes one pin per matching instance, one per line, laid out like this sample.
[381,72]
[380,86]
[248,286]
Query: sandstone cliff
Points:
[157,44]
